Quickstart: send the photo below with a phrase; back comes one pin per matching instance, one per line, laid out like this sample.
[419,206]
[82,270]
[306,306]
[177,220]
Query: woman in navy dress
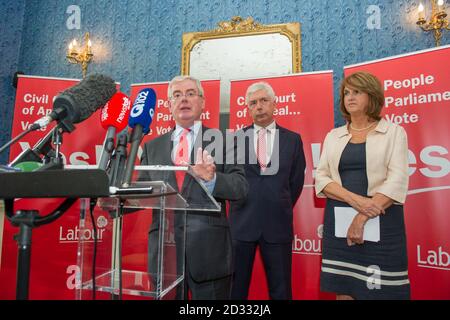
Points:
[364,167]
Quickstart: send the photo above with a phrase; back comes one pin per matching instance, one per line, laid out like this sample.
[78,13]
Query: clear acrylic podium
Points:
[140,246]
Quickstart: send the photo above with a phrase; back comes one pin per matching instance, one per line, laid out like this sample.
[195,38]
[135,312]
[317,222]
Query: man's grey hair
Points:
[259,86]
[182,78]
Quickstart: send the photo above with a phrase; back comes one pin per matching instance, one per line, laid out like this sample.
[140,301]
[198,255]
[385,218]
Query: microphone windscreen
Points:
[116,112]
[83,99]
[143,110]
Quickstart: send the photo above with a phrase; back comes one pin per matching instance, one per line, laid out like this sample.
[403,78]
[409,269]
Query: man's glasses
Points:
[189,95]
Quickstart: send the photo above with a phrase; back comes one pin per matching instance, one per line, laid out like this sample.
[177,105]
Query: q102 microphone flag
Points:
[141,116]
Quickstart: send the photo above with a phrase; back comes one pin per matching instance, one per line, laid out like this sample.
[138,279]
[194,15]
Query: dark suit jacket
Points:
[268,208]
[208,239]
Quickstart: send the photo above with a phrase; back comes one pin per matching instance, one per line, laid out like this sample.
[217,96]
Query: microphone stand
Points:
[42,147]
[26,220]
[52,159]
[118,161]
[55,161]
[64,125]
[115,174]
[20,136]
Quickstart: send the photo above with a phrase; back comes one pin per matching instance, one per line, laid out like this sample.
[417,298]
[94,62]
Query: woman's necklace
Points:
[362,129]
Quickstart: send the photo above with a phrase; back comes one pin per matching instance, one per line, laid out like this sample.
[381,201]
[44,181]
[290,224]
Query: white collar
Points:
[270,127]
[195,129]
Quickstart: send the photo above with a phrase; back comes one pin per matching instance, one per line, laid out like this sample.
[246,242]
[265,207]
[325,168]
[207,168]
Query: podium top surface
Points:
[94,183]
[54,184]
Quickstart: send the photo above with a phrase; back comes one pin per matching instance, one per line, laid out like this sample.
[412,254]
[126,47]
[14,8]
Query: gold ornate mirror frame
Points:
[239,27]
[241,49]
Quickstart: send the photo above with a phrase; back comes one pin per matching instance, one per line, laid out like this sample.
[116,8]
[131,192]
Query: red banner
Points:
[304,105]
[54,246]
[417,91]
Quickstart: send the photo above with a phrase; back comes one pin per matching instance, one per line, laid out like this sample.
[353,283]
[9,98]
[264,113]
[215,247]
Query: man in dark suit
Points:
[275,171]
[208,240]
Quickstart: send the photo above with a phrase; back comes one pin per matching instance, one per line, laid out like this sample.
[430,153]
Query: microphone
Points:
[79,102]
[114,119]
[118,159]
[141,117]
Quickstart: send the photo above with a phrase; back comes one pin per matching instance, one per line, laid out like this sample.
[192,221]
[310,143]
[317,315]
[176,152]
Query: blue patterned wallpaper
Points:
[140,40]
[11,26]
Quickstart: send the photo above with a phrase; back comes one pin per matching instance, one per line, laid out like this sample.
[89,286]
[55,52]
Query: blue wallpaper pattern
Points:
[11,25]
[140,40]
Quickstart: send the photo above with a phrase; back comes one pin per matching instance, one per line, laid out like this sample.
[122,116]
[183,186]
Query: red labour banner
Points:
[304,105]
[54,246]
[417,92]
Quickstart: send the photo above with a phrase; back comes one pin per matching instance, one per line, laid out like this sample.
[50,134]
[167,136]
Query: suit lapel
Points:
[166,156]
[199,142]
[278,144]
[251,158]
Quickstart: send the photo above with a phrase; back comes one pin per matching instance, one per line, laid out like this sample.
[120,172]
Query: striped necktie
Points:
[261,149]
[182,157]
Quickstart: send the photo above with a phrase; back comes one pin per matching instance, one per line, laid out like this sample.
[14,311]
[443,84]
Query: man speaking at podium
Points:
[208,241]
